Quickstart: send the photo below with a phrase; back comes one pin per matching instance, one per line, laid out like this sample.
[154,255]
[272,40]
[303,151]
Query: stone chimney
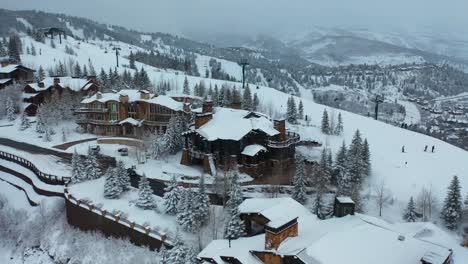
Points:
[40,84]
[206,115]
[280,125]
[186,107]
[144,94]
[56,80]
[123,98]
[92,78]
[276,233]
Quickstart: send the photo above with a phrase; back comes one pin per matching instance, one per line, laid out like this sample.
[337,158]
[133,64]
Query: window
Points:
[132,113]
[159,113]
[114,111]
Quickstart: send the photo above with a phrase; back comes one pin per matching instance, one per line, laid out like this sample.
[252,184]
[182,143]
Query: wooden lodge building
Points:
[129,113]
[228,137]
[34,94]
[11,73]
[282,231]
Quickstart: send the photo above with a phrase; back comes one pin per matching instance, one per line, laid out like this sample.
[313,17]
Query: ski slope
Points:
[404,173]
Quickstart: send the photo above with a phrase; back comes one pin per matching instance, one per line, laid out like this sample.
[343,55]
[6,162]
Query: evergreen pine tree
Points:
[77,70]
[410,214]
[92,166]
[325,123]
[301,110]
[343,180]
[186,89]
[14,48]
[40,125]
[103,79]
[235,191]
[202,203]
[255,102]
[92,71]
[291,111]
[40,74]
[85,71]
[339,126]
[235,227]
[145,195]
[131,59]
[365,155]
[10,109]
[187,218]
[247,99]
[24,122]
[122,176]
[171,197]
[173,134]
[76,168]
[452,210]
[3,50]
[299,182]
[177,254]
[159,145]
[112,187]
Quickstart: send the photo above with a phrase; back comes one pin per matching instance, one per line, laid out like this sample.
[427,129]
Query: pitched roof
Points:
[252,150]
[12,67]
[74,84]
[234,124]
[134,96]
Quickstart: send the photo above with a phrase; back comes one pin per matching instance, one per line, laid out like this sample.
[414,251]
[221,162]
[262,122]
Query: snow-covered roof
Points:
[436,255]
[234,124]
[8,68]
[344,199]
[3,81]
[252,150]
[358,239]
[134,96]
[74,84]
[278,211]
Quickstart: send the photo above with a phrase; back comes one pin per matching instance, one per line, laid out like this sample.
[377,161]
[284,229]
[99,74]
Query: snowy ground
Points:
[93,191]
[412,112]
[163,169]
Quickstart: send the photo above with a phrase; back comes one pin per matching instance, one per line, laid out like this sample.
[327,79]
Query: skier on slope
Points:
[425,148]
[403,149]
[433,148]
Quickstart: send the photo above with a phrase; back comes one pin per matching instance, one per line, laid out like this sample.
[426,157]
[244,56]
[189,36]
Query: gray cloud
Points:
[261,16]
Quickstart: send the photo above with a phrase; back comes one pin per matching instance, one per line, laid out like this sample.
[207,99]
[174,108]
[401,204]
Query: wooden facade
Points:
[273,165]
[14,73]
[124,117]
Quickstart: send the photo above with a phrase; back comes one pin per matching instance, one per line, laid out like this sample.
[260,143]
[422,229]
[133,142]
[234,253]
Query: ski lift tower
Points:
[378,100]
[243,62]
[117,54]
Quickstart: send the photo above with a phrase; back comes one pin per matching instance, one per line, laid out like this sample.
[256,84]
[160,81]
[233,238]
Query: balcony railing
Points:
[96,122]
[291,138]
[92,110]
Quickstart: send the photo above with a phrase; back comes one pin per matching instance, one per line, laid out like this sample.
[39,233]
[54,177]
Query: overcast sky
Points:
[261,16]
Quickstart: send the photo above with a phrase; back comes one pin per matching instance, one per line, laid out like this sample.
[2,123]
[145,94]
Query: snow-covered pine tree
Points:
[325,122]
[365,155]
[186,89]
[14,50]
[235,191]
[77,168]
[191,257]
[172,196]
[410,214]
[158,146]
[247,99]
[291,111]
[235,227]
[343,180]
[145,199]
[122,176]
[452,210]
[186,216]
[202,203]
[92,168]
[112,187]
[48,134]
[40,74]
[301,110]
[24,122]
[40,125]
[92,71]
[299,192]
[339,126]
[10,109]
[77,70]
[256,102]
[329,159]
[131,59]
[177,254]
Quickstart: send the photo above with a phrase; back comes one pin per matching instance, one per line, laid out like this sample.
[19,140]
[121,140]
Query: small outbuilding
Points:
[343,206]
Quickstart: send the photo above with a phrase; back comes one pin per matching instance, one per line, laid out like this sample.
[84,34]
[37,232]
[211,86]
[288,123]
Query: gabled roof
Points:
[134,96]
[74,84]
[234,124]
[13,67]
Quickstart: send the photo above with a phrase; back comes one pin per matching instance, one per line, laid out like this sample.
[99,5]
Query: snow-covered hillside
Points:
[404,173]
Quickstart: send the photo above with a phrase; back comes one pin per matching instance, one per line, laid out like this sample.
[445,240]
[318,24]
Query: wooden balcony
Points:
[291,138]
[91,110]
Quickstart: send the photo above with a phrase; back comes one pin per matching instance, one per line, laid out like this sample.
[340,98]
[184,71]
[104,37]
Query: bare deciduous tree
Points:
[382,196]
[426,202]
